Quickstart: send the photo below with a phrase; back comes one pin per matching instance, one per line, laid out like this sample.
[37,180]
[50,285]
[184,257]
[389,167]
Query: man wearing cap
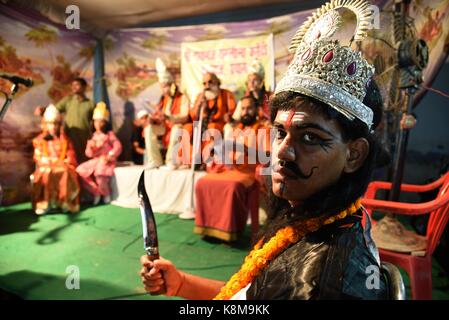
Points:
[55,182]
[138,141]
[167,121]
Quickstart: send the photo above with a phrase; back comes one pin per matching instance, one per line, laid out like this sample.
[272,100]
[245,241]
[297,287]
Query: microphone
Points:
[17,80]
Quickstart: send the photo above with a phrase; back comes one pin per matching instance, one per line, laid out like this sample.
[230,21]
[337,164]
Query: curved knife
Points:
[150,241]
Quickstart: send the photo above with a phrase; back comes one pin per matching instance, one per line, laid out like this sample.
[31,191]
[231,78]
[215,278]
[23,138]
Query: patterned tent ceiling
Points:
[114,14]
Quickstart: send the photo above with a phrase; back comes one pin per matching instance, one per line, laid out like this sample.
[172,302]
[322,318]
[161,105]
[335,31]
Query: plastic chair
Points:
[419,267]
[395,284]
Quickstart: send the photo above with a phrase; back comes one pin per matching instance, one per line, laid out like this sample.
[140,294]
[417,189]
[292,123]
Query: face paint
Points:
[308,153]
[288,122]
[291,118]
[293,169]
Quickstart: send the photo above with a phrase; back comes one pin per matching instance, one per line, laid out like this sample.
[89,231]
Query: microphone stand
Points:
[196,145]
[14,89]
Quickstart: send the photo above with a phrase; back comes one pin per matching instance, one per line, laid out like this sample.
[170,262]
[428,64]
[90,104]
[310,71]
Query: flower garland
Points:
[258,258]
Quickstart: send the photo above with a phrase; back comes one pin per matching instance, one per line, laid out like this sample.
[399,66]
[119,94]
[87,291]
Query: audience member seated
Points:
[55,182]
[104,148]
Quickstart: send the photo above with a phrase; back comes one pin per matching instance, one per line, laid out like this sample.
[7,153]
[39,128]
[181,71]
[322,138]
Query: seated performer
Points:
[314,246]
[224,199]
[217,105]
[55,182]
[77,110]
[255,87]
[171,113]
[104,148]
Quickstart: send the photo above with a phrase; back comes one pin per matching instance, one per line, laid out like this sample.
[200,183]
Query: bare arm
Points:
[199,288]
[178,283]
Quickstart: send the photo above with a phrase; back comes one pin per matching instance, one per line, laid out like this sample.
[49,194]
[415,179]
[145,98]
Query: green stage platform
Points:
[105,243]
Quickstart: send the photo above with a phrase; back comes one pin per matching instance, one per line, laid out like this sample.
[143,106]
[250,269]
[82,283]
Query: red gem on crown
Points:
[328,56]
[351,68]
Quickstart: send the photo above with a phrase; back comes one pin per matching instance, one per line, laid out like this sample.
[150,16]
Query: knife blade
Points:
[150,240]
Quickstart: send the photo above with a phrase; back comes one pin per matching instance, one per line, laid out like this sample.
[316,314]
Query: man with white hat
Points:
[138,141]
[171,113]
[55,182]
[255,87]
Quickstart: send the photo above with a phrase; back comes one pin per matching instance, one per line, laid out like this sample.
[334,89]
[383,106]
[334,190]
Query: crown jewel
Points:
[325,69]
[101,112]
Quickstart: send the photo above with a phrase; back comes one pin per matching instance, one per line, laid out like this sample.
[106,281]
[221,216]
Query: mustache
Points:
[295,169]
[48,137]
[248,119]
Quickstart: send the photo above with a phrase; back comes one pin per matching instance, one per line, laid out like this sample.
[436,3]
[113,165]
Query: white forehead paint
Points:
[289,118]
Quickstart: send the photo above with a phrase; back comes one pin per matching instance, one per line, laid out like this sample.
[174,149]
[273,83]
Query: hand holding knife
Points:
[150,239]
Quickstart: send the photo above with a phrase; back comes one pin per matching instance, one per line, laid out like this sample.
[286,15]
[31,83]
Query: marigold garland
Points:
[258,258]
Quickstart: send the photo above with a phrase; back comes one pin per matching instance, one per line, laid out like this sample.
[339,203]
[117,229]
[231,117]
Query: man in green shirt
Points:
[78,110]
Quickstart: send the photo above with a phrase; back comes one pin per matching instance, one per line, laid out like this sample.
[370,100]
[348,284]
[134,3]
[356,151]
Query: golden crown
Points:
[101,112]
[326,70]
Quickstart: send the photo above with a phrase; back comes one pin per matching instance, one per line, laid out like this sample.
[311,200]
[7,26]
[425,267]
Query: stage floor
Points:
[105,243]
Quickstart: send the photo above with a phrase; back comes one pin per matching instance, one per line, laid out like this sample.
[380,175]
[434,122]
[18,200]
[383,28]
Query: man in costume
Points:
[224,197]
[217,106]
[323,111]
[167,121]
[103,148]
[255,87]
[55,182]
[77,109]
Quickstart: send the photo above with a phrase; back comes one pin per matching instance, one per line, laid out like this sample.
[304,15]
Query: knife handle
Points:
[163,288]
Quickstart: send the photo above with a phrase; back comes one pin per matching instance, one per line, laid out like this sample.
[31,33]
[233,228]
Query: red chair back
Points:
[438,219]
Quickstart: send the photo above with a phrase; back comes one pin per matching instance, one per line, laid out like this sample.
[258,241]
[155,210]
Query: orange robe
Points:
[55,181]
[166,123]
[224,199]
[263,107]
[174,110]
[224,104]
